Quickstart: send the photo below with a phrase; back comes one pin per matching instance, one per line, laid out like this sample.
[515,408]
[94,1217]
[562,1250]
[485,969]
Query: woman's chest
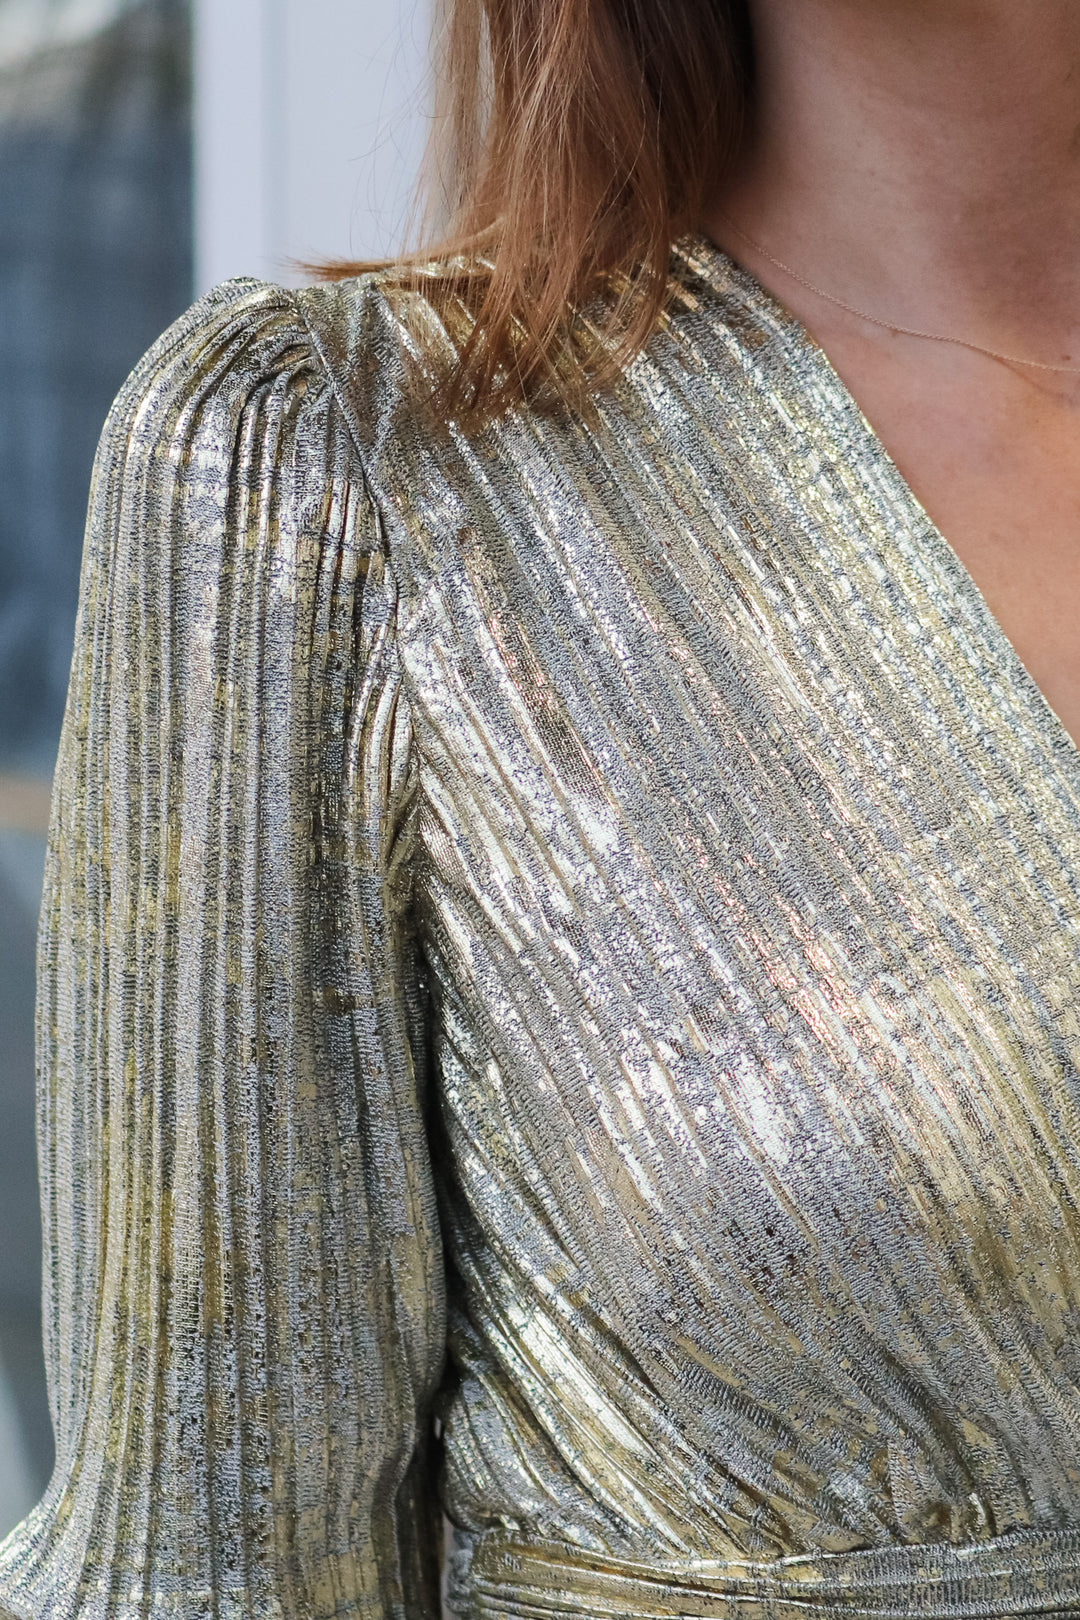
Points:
[756,981]
[739,888]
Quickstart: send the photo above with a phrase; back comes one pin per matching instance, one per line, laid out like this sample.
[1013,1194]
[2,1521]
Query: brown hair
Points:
[585,135]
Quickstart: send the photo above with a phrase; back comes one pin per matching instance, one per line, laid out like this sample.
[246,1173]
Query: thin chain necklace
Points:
[892,326]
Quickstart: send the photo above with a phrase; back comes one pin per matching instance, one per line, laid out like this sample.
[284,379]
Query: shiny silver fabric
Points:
[635,834]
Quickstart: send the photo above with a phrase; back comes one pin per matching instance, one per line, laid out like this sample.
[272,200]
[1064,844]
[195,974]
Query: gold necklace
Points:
[892,326]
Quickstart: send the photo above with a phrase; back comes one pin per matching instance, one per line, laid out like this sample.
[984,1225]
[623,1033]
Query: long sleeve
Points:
[243,1297]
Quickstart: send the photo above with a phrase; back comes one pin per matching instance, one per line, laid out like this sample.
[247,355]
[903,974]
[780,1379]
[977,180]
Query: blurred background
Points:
[148,149]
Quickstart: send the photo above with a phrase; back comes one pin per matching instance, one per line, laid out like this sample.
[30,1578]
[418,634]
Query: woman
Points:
[588,882]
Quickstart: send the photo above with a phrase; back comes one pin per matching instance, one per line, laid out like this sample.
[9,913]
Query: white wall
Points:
[310,119]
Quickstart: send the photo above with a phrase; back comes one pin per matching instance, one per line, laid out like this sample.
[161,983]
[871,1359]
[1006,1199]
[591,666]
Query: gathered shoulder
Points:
[244,341]
[243,331]
[234,398]
[365,340]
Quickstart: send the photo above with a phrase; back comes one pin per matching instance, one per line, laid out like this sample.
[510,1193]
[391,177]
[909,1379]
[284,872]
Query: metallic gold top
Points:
[637,829]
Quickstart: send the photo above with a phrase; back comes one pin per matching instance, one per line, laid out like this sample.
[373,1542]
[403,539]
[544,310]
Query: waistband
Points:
[1023,1573]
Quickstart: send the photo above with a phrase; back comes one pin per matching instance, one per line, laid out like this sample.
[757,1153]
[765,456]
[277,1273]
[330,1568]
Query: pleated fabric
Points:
[558,984]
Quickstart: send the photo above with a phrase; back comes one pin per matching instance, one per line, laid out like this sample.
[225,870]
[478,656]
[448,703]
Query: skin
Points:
[921,160]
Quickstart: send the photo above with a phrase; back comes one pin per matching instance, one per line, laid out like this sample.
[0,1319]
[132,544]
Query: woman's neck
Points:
[921,159]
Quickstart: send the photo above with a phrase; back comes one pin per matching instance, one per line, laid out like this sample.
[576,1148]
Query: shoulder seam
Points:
[336,389]
[341,400]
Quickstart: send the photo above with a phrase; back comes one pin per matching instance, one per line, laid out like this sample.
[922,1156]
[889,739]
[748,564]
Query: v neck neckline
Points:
[718,269]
